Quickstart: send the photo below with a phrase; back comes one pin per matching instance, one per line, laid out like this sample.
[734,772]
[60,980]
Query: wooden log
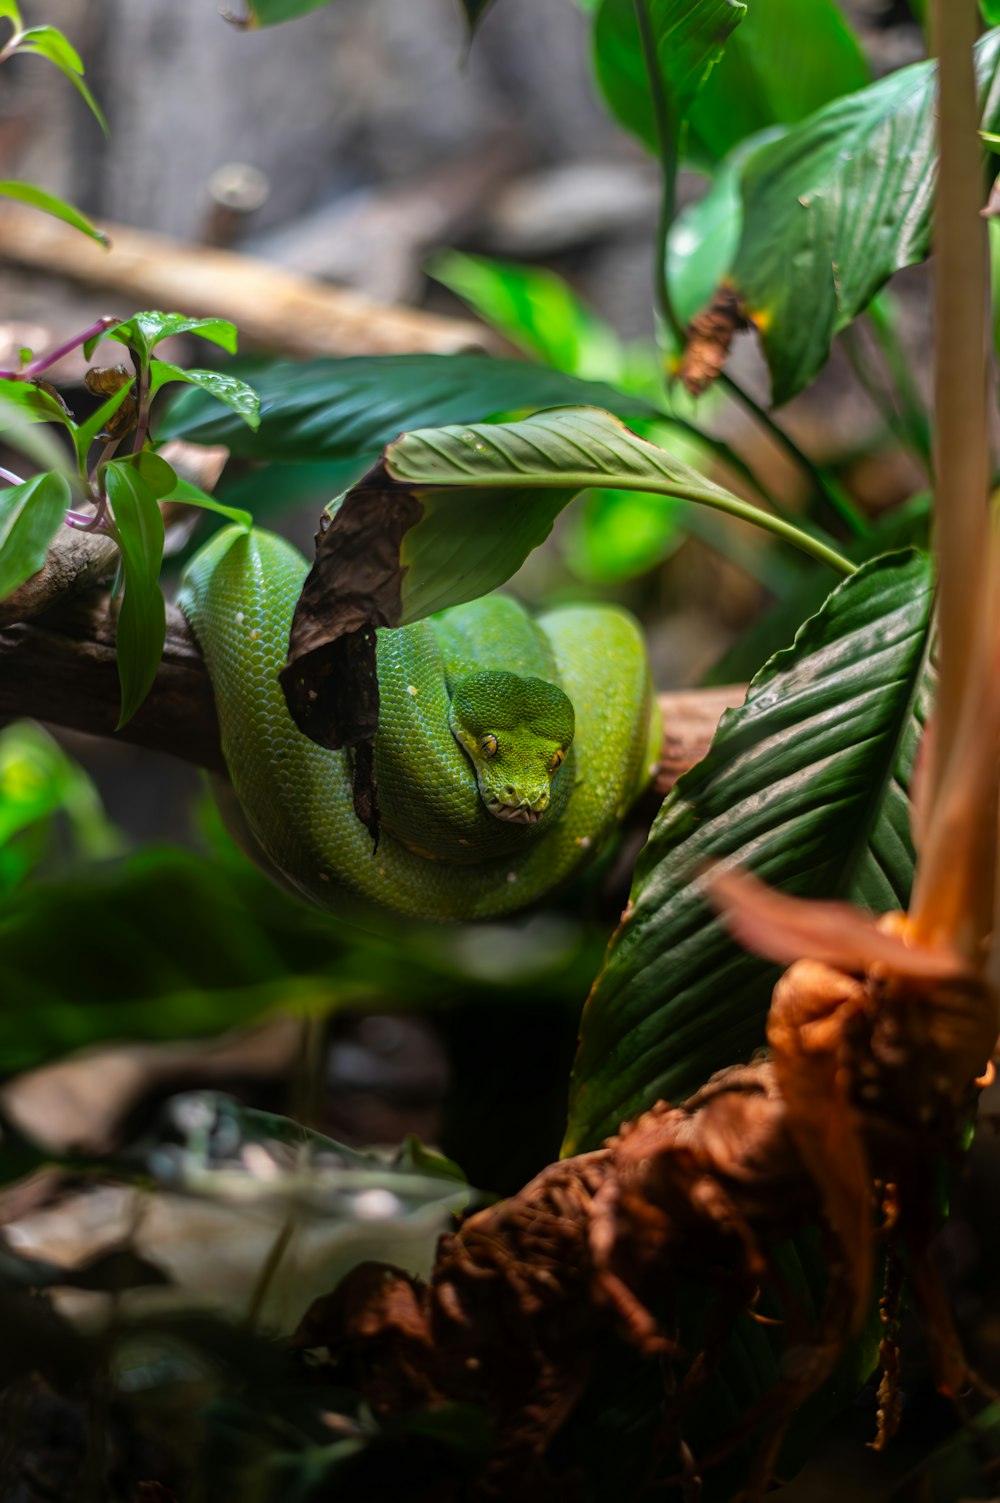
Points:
[271,308]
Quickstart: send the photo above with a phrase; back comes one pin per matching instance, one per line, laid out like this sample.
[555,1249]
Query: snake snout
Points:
[517,808]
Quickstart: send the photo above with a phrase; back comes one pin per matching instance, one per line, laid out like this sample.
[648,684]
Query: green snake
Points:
[508,747]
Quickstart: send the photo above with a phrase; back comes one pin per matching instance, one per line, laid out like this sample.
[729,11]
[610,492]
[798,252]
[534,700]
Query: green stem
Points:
[916,426]
[833,494]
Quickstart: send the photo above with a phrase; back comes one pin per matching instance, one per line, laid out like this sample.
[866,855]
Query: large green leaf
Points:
[447,515]
[338,409]
[789,58]
[807,785]
[683,39]
[836,206]
[30,516]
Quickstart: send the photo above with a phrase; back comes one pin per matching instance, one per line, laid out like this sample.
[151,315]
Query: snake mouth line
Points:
[517,814]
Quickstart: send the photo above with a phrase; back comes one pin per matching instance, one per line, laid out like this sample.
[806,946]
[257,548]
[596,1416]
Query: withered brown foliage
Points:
[708,337]
[871,1080]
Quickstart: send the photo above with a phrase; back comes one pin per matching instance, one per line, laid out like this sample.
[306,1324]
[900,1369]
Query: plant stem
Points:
[9,475]
[833,494]
[667,133]
[43,362]
[880,316]
[953,897]
[960,361]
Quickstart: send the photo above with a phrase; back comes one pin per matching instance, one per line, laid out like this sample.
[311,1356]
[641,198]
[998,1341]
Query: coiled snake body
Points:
[508,747]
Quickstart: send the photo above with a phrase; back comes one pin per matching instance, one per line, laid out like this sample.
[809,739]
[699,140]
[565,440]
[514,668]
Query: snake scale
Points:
[508,747]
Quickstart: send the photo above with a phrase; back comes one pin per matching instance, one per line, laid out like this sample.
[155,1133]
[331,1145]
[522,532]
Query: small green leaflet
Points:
[34,403]
[183,490]
[30,516]
[236,394]
[142,615]
[27,193]
[48,42]
[143,332]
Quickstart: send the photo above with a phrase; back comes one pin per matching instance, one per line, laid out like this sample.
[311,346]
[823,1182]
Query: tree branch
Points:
[60,667]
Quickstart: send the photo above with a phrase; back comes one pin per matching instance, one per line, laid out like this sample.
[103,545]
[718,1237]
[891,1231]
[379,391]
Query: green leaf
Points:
[622,534]
[183,490]
[38,781]
[27,193]
[10,12]
[786,61]
[86,433]
[48,42]
[807,785]
[990,11]
[35,403]
[273,12]
[143,332]
[338,409]
[705,236]
[537,311]
[835,207]
[18,425]
[30,516]
[236,394]
[142,617]
[491,493]
[686,38]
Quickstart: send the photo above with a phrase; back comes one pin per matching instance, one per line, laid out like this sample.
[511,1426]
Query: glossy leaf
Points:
[183,490]
[236,394]
[536,310]
[30,516]
[27,193]
[21,429]
[705,236]
[35,403]
[49,42]
[338,409]
[686,40]
[142,615]
[787,60]
[806,784]
[836,206]
[143,332]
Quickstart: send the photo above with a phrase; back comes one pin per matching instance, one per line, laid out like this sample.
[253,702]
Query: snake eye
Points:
[488,746]
[558,758]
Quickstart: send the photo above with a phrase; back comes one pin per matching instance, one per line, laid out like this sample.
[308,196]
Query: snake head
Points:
[516,733]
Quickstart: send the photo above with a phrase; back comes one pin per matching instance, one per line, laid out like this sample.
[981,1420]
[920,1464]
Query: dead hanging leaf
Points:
[353,587]
[104,381]
[709,336]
